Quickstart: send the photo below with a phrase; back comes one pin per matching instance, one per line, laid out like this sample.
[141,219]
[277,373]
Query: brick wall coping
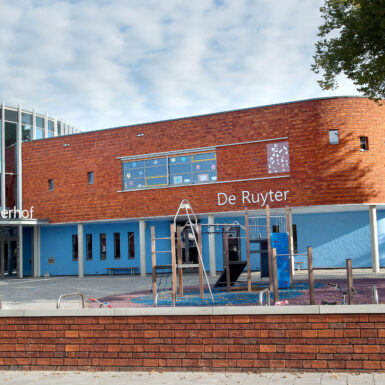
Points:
[198,311]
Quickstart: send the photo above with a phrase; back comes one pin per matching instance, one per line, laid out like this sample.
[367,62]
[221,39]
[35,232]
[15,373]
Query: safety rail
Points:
[71,295]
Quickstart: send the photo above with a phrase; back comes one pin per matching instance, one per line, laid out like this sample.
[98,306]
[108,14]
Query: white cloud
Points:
[107,63]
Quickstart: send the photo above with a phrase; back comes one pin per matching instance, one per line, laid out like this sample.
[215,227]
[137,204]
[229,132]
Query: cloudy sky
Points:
[107,63]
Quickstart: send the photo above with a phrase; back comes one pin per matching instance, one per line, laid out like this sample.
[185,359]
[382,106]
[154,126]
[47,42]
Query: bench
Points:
[298,265]
[131,269]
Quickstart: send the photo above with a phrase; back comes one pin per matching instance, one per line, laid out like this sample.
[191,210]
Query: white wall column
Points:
[142,246]
[2,154]
[374,238]
[20,252]
[36,251]
[80,250]
[19,171]
[212,254]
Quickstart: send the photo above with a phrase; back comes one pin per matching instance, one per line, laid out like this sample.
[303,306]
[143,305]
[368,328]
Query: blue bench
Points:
[131,269]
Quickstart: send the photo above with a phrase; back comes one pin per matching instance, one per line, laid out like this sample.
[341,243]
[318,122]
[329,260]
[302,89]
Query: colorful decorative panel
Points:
[278,157]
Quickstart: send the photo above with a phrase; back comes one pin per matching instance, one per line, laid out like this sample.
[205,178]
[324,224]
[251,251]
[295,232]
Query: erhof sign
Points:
[247,198]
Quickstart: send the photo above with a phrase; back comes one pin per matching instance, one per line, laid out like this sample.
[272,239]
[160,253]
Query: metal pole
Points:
[374,239]
[349,273]
[269,247]
[212,253]
[227,259]
[3,203]
[310,274]
[247,231]
[201,291]
[180,259]
[173,262]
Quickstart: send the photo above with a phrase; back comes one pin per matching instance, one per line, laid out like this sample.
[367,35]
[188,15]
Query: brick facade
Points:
[232,342]
[320,173]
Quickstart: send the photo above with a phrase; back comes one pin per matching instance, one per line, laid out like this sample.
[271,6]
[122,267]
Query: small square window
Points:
[334,137]
[50,184]
[364,143]
[90,177]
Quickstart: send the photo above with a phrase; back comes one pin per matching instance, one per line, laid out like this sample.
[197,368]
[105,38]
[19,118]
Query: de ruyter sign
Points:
[247,197]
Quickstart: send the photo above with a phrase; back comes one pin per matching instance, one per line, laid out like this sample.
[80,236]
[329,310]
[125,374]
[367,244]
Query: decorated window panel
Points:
[278,157]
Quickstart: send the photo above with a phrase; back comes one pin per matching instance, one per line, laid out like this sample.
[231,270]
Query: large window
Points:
[170,170]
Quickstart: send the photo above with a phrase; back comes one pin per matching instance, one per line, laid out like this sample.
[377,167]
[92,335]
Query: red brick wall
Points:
[320,173]
[244,342]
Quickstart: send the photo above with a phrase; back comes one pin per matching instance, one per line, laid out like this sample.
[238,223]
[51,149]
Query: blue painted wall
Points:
[335,237]
[56,241]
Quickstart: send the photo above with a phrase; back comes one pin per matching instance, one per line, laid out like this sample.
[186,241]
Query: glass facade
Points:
[32,126]
[170,170]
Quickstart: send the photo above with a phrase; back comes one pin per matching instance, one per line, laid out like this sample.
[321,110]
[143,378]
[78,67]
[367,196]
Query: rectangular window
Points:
[170,170]
[116,245]
[275,228]
[50,184]
[131,245]
[74,247]
[39,133]
[364,143]
[39,121]
[89,247]
[90,177]
[295,239]
[103,247]
[334,137]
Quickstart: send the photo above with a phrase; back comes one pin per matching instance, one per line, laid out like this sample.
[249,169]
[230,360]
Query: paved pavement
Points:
[182,378]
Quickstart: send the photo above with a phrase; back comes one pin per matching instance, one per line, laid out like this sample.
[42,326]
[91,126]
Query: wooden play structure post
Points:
[227,259]
[289,229]
[153,261]
[247,236]
[269,247]
[310,274]
[180,258]
[349,273]
[173,262]
[201,291]
[274,275]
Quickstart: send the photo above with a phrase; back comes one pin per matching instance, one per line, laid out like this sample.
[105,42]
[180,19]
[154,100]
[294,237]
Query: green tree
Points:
[352,41]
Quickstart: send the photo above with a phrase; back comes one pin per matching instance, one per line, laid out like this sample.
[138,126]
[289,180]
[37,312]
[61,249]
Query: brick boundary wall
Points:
[271,342]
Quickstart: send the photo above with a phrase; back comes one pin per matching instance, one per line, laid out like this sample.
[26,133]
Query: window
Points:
[333,137]
[74,247]
[116,245]
[90,177]
[26,126]
[50,184]
[103,247]
[170,170]
[89,247]
[295,239]
[364,143]
[131,245]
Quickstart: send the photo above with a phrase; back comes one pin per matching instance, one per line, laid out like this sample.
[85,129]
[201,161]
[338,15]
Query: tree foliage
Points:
[352,41]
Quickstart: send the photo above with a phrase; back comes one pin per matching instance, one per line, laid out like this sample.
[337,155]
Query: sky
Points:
[107,63]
